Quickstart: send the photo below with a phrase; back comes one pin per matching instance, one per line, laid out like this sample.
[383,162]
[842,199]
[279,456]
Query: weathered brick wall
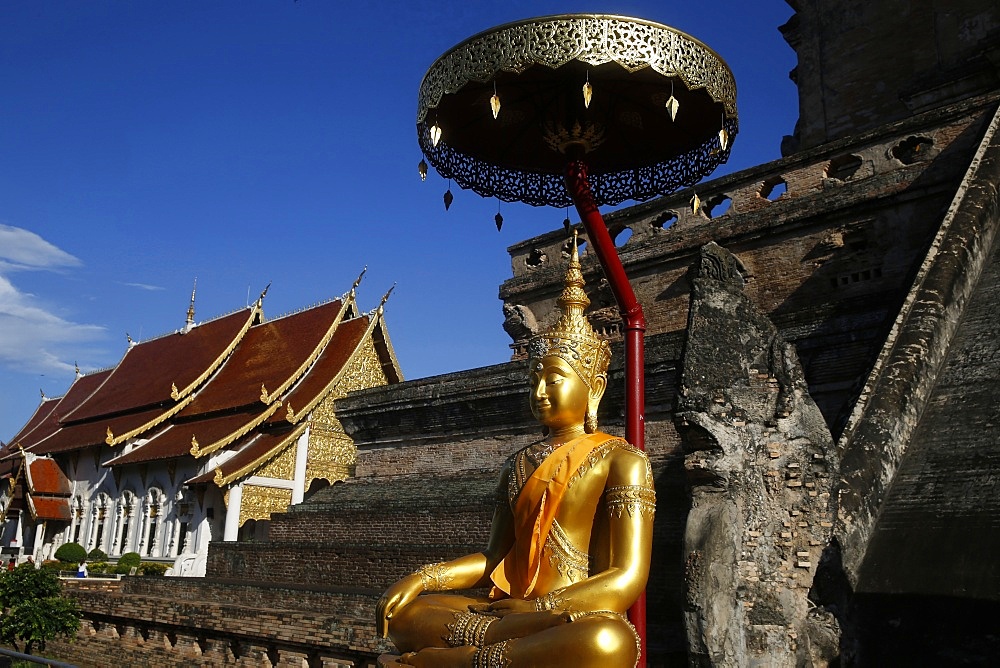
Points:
[886,60]
[923,450]
[828,261]
[174,622]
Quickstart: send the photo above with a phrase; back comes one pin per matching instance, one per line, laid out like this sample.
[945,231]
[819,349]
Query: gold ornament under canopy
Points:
[647,120]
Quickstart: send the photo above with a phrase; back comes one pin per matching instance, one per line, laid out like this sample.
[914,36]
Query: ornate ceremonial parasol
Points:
[583,109]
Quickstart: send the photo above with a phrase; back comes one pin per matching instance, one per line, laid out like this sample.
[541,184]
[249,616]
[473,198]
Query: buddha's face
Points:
[559,397]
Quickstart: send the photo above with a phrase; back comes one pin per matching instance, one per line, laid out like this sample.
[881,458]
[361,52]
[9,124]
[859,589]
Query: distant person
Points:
[11,564]
[81,571]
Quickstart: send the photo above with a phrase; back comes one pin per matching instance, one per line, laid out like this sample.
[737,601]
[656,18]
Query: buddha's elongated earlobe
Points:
[600,383]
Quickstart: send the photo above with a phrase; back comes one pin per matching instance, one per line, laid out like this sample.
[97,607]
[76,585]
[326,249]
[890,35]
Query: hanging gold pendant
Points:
[435,134]
[723,138]
[588,93]
[695,203]
[422,168]
[495,105]
[672,106]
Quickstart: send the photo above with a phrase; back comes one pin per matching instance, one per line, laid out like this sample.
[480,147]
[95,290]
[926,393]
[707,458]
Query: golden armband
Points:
[434,577]
[630,499]
[469,628]
[491,656]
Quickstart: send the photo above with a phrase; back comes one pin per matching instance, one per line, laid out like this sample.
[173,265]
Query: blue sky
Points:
[145,144]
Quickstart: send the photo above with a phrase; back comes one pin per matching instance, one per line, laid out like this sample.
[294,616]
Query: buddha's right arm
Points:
[466,572]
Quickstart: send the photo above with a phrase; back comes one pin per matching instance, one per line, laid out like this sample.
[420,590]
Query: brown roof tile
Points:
[148,370]
[326,368]
[47,478]
[175,440]
[77,436]
[50,508]
[268,355]
[259,446]
[45,421]
[41,415]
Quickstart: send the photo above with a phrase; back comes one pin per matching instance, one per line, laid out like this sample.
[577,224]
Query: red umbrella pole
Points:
[635,327]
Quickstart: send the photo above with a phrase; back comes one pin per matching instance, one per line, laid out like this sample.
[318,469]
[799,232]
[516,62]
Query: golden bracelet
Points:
[551,601]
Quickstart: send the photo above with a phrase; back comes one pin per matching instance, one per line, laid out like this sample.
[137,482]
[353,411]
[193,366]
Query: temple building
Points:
[195,436]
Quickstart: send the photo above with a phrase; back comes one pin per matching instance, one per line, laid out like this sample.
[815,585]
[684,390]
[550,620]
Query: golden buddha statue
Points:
[570,539]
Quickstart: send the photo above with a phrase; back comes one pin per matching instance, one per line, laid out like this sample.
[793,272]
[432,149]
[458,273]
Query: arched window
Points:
[126,511]
[182,523]
[77,519]
[102,508]
[154,522]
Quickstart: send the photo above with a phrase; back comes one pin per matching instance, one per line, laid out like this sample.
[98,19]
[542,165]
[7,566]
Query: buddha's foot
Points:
[522,624]
[435,657]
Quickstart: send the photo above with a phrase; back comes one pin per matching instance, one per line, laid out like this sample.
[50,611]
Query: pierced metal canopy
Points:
[649,108]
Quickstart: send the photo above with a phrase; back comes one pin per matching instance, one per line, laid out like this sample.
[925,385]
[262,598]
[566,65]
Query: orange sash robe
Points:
[534,511]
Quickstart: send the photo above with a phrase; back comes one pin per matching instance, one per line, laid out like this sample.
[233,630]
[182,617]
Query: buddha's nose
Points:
[540,389]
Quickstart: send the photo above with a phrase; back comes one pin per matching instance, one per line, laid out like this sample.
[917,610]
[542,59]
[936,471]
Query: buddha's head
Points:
[568,363]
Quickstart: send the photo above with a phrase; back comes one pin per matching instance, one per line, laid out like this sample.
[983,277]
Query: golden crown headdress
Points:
[572,338]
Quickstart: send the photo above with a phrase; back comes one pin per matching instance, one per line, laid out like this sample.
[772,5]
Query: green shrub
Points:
[54,566]
[97,554]
[152,568]
[98,567]
[129,560]
[71,553]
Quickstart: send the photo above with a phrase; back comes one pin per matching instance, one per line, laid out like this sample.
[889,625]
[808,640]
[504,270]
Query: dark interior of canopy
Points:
[626,126]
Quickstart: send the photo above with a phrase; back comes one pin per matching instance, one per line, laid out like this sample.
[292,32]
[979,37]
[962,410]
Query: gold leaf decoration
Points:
[672,106]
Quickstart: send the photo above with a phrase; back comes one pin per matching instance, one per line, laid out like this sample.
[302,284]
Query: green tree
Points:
[34,610]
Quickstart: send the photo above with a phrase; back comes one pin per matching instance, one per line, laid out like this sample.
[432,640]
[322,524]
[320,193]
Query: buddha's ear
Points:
[599,384]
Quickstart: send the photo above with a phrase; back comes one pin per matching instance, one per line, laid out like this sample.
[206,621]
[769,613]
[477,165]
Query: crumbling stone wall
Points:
[762,466]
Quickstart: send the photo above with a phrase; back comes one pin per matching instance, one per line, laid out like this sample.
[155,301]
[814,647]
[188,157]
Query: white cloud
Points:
[34,338]
[21,249]
[143,286]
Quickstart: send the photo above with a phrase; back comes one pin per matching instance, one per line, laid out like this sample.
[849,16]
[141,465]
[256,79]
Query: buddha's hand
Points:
[395,598]
[504,607]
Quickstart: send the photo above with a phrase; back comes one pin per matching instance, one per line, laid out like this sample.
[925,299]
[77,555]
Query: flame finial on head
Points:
[572,338]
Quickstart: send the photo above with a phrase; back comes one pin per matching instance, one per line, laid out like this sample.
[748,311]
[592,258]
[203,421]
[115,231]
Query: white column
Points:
[18,530]
[175,536]
[202,536]
[299,481]
[233,513]
[39,538]
[143,522]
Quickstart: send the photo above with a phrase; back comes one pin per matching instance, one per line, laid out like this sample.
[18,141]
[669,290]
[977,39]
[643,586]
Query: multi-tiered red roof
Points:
[237,382]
